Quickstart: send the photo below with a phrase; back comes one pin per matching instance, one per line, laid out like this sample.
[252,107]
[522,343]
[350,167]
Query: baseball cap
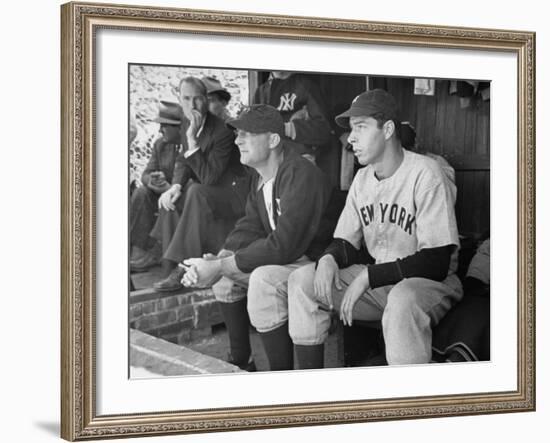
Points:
[370,103]
[258,119]
[169,113]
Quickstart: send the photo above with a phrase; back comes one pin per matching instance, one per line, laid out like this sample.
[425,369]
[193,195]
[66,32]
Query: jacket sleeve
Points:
[316,129]
[248,228]
[153,164]
[207,165]
[303,197]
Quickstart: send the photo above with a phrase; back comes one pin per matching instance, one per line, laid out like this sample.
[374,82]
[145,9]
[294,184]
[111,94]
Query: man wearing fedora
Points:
[218,97]
[208,189]
[155,180]
[287,224]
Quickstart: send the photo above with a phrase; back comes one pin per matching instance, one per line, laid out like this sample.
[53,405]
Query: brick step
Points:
[151,356]
[178,316]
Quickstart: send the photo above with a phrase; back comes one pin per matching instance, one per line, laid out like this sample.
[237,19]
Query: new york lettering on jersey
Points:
[388,213]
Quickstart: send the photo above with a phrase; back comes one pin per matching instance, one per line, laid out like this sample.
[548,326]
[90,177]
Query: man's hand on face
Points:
[168,198]
[195,122]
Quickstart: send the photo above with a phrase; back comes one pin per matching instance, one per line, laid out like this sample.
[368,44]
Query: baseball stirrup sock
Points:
[279,349]
[237,323]
[310,357]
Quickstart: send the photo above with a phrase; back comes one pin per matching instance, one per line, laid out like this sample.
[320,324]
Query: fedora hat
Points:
[169,113]
[214,86]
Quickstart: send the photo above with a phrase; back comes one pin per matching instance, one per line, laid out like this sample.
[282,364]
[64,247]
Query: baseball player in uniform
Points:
[401,207]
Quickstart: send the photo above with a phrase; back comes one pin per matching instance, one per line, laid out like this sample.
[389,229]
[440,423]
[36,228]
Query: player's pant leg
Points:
[268,309]
[414,306]
[308,324]
[268,294]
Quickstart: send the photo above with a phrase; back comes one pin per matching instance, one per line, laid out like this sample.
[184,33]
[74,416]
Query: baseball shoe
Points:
[172,282]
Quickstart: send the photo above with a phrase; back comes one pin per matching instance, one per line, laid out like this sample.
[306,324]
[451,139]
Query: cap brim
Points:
[342,120]
[240,124]
[166,121]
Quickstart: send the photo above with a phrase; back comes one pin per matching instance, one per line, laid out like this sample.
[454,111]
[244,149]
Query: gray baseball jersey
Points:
[402,214]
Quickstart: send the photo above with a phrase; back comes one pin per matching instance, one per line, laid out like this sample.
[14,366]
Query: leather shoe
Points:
[145,263]
[172,282]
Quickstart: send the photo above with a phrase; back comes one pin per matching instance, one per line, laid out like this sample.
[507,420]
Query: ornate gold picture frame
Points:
[79,396]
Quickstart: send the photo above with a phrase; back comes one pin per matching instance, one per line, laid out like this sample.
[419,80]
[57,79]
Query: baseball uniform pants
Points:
[408,310]
[266,288]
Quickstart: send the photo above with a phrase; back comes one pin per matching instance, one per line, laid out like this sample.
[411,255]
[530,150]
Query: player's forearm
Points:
[345,254]
[430,263]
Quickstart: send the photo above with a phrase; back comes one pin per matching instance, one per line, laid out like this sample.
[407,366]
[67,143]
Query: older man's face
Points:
[254,148]
[191,98]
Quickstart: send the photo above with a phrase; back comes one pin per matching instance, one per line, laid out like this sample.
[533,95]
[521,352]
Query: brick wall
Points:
[178,317]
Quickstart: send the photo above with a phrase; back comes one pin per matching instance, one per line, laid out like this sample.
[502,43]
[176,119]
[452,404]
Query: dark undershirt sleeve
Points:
[431,263]
[345,254]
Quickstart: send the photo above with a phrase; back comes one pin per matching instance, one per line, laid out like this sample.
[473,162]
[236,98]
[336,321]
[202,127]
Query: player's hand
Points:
[168,198]
[326,275]
[190,278]
[357,288]
[203,273]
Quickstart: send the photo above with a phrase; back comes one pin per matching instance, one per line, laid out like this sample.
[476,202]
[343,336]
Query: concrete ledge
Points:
[154,357]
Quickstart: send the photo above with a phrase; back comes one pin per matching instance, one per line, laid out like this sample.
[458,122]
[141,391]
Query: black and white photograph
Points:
[274,221]
[287,221]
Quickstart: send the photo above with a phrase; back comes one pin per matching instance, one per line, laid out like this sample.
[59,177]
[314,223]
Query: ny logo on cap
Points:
[287,102]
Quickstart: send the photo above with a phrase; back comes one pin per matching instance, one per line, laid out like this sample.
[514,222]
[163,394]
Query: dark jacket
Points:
[162,159]
[305,217]
[217,162]
[291,95]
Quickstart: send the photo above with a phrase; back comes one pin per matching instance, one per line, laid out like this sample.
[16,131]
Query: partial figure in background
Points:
[301,106]
[218,97]
[408,141]
[155,181]
[208,190]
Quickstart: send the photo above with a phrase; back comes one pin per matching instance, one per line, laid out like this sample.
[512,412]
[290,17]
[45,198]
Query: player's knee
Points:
[226,291]
[261,292]
[402,301]
[301,278]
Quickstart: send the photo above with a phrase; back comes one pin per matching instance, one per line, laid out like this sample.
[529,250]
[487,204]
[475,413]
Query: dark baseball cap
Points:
[258,119]
[368,104]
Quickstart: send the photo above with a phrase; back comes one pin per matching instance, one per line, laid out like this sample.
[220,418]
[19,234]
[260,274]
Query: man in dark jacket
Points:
[155,180]
[287,223]
[209,187]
